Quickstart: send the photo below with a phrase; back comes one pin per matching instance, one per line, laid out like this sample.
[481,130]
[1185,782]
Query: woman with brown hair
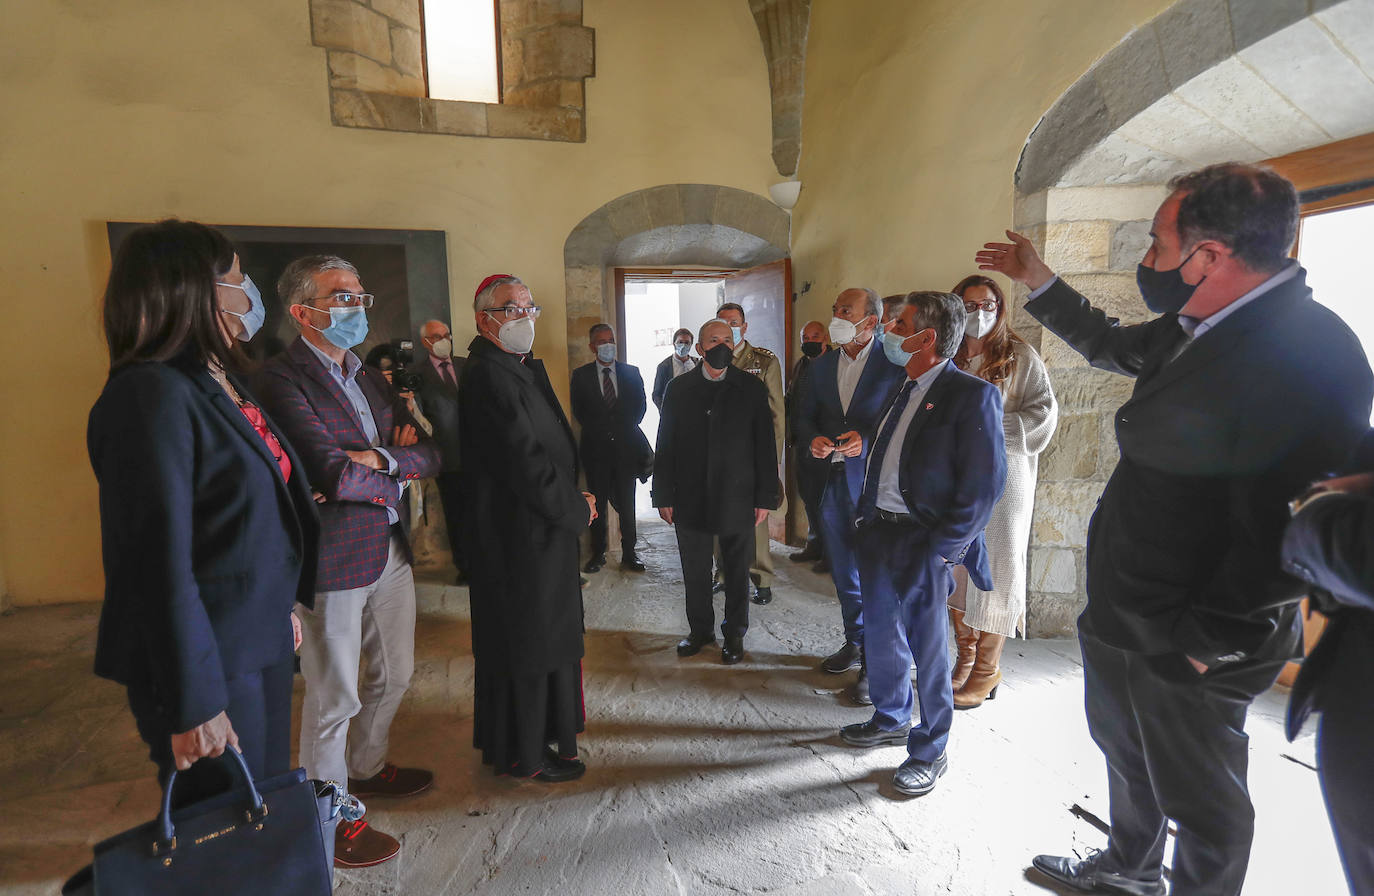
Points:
[983,620]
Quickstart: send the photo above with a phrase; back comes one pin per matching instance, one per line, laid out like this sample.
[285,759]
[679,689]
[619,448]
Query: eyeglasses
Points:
[510,312]
[348,299]
[989,305]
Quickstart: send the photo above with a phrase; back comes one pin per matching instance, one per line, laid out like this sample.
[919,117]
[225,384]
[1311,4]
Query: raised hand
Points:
[1017,259]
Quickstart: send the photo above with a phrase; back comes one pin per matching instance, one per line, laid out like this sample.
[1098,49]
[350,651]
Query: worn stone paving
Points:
[703,779]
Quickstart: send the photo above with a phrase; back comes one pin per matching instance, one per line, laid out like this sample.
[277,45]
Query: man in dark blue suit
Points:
[837,414]
[935,470]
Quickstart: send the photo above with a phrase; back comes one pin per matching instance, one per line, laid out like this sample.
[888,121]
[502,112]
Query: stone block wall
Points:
[377,79]
[1093,238]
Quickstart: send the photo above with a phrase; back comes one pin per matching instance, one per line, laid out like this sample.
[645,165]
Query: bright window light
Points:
[1332,250]
[460,50]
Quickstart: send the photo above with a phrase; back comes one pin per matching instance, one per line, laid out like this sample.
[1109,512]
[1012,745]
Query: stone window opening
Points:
[375,63]
[460,49]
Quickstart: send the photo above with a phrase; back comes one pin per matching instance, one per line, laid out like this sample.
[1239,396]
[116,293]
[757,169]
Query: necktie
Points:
[868,501]
[607,387]
[447,370]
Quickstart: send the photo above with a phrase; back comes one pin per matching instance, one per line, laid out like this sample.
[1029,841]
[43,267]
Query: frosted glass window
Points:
[460,50]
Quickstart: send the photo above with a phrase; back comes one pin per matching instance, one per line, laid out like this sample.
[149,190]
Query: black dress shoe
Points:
[916,777]
[859,692]
[1087,875]
[691,645]
[732,652]
[631,563]
[718,587]
[809,554]
[868,734]
[595,564]
[557,769]
[763,595]
[850,656]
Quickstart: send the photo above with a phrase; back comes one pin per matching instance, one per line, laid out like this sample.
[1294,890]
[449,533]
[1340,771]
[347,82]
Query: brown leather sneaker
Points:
[392,781]
[359,845]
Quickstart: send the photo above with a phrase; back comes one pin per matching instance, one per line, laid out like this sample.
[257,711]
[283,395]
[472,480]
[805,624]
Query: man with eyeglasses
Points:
[524,519]
[360,447]
[440,374]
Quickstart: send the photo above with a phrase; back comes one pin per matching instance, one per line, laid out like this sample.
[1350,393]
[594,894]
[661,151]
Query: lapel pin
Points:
[929,406]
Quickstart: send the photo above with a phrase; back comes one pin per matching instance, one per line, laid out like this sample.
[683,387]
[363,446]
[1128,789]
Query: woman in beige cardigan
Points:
[983,620]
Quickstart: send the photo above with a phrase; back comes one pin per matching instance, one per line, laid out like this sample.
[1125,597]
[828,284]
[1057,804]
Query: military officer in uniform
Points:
[762,363]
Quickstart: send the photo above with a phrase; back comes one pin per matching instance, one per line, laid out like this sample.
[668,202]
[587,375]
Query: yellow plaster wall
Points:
[915,116]
[220,113]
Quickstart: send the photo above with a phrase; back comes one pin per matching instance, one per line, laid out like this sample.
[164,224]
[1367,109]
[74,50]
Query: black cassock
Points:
[521,526]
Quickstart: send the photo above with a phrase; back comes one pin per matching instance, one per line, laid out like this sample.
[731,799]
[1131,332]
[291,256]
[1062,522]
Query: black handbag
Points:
[264,837]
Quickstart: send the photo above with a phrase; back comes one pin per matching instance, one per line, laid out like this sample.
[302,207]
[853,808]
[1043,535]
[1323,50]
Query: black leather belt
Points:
[901,519]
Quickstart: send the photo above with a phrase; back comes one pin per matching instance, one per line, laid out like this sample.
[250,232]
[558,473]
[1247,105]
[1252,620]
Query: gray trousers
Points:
[346,719]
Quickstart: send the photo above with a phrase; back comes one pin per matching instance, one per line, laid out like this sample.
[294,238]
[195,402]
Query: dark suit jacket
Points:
[526,514]
[1183,550]
[663,375]
[322,424]
[439,403]
[1328,546]
[953,467]
[819,412]
[611,438]
[206,548]
[716,457]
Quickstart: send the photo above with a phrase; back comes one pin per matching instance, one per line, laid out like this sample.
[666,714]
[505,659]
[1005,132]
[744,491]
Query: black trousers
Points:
[616,487]
[1176,747]
[811,479]
[696,549]
[1343,757]
[260,711]
[451,496]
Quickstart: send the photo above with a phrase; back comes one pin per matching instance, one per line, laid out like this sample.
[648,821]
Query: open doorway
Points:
[1331,246]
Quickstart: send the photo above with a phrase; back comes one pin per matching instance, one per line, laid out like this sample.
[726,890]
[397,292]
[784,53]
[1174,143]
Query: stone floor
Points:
[703,779]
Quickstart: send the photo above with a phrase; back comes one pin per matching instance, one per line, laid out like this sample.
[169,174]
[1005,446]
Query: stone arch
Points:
[1205,81]
[672,224]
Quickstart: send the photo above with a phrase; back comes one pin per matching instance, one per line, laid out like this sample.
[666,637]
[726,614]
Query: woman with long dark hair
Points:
[207,524]
[983,620]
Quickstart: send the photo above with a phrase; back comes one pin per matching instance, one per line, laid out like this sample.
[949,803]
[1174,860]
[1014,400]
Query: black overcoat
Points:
[525,516]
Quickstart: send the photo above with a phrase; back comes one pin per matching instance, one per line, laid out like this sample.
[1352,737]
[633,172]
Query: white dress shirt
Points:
[601,378]
[889,477]
[682,365]
[848,373]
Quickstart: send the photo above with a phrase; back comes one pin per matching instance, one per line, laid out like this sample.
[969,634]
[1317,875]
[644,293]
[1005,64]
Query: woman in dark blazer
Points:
[208,527]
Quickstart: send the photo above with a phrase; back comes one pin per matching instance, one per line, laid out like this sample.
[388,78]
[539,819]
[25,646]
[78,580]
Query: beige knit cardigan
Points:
[1029,415]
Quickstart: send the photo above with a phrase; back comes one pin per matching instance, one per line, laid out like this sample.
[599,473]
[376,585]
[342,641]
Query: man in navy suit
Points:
[837,415]
[359,446]
[608,402]
[935,470]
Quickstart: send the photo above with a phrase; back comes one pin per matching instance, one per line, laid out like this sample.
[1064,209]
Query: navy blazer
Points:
[205,547]
[954,467]
[819,412]
[610,436]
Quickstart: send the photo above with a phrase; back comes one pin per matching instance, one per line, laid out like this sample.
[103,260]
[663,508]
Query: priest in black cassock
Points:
[716,476]
[521,533]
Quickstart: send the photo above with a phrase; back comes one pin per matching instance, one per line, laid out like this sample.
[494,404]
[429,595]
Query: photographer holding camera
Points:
[437,381]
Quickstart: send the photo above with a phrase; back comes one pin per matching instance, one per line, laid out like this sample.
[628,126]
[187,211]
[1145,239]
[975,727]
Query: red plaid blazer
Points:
[321,424]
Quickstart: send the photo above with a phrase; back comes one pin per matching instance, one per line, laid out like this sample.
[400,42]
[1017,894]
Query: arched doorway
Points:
[1203,82]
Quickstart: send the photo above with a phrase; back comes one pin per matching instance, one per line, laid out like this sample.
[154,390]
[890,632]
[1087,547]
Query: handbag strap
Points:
[236,764]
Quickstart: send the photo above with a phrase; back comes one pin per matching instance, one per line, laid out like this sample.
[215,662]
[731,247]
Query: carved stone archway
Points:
[1206,81]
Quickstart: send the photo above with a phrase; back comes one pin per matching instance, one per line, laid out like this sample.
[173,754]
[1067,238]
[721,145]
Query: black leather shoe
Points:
[595,564]
[718,587]
[868,734]
[732,652]
[763,595]
[1088,876]
[809,554]
[691,645]
[557,769]
[859,692]
[850,656]
[917,777]
[631,563]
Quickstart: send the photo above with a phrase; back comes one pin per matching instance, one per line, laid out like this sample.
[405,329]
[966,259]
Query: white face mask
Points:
[443,348]
[980,323]
[517,335]
[842,332]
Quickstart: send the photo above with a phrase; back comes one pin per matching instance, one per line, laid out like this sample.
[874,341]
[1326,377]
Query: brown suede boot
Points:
[986,675]
[966,639]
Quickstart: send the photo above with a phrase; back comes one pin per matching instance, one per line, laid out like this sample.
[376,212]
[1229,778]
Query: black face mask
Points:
[812,349]
[1165,291]
[719,356]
